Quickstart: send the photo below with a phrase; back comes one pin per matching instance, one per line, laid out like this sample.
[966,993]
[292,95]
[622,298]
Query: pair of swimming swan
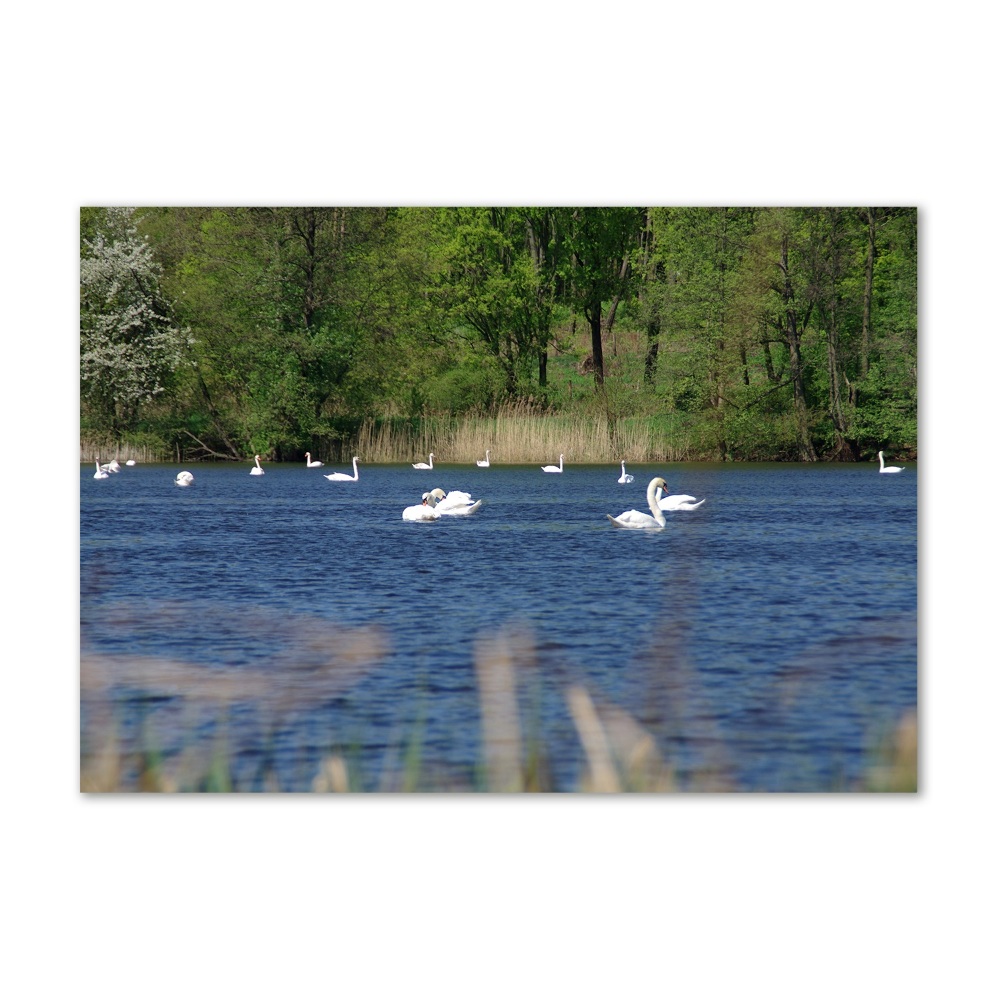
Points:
[457,502]
[882,467]
[430,464]
[658,501]
[112,466]
[636,518]
[437,504]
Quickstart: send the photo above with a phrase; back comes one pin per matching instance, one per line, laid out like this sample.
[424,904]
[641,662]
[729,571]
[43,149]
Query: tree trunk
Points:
[793,338]
[593,314]
[610,321]
[217,420]
[844,449]
[652,350]
[866,313]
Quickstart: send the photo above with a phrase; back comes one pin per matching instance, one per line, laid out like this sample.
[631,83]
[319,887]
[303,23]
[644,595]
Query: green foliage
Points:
[755,331]
[472,386]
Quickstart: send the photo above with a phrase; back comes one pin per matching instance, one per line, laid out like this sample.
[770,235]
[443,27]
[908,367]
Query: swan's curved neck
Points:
[654,508]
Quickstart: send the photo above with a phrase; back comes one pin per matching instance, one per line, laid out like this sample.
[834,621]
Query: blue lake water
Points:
[768,638]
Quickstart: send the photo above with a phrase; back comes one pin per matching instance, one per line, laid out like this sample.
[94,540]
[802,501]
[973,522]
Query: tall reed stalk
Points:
[515,438]
[95,447]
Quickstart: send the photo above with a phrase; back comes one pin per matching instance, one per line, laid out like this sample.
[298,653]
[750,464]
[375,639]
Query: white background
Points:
[431,896]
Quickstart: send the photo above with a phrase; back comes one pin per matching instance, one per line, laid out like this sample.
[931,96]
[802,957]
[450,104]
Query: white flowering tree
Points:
[128,343]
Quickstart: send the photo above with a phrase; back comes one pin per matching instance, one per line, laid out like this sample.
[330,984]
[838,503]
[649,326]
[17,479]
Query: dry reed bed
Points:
[106,449]
[515,440]
[516,435]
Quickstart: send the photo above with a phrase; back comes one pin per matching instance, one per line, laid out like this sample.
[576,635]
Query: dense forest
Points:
[726,334]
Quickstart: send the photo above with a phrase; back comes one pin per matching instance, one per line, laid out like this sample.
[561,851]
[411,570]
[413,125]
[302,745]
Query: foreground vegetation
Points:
[620,754]
[603,333]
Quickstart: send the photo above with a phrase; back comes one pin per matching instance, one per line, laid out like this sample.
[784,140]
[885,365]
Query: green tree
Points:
[597,248]
[498,283]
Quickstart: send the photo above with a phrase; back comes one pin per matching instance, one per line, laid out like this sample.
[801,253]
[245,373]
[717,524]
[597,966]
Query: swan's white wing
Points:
[461,509]
[673,499]
[678,501]
[456,498]
[634,519]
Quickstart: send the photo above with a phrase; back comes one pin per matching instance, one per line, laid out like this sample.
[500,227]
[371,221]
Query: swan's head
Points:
[437,494]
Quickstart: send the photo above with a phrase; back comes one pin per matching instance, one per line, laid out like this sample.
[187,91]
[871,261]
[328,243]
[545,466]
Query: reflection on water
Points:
[286,634]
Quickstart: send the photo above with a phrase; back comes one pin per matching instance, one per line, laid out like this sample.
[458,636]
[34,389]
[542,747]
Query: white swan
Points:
[554,468]
[343,477]
[257,470]
[457,502]
[424,465]
[131,461]
[636,519]
[310,464]
[112,466]
[676,501]
[100,474]
[183,479]
[455,498]
[882,467]
[486,464]
[625,477]
[423,511]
